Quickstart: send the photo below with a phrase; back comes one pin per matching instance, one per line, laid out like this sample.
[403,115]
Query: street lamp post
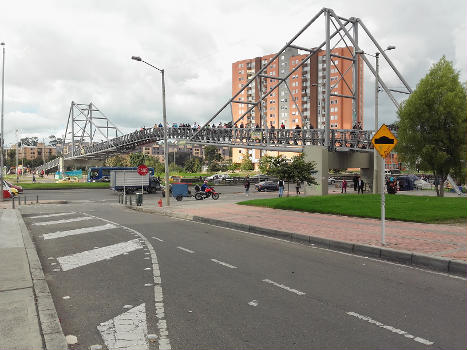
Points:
[2,138]
[164,116]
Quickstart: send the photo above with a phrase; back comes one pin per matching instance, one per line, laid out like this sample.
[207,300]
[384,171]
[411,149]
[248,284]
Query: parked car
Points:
[219,178]
[331,181]
[17,187]
[8,192]
[259,177]
[267,186]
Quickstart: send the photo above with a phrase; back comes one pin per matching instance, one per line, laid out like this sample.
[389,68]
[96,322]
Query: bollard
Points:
[131,202]
[37,199]
[24,199]
[13,203]
[126,200]
[160,202]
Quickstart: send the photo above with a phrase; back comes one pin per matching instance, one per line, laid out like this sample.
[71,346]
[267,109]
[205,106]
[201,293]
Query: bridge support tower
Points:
[326,160]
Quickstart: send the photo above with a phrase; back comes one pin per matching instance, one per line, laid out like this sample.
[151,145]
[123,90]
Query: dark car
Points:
[267,186]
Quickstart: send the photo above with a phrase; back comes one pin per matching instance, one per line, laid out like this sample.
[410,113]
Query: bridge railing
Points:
[236,137]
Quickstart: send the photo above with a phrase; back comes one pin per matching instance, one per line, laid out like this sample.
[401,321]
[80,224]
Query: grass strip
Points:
[425,209]
[66,185]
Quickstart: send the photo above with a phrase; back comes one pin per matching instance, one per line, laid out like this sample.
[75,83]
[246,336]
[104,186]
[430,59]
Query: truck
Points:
[130,181]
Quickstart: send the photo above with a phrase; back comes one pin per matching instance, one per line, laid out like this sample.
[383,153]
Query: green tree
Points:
[246,163]
[294,170]
[211,154]
[432,123]
[136,159]
[115,161]
[193,165]
[265,163]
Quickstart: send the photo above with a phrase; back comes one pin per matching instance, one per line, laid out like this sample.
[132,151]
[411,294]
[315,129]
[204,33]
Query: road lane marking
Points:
[186,250]
[164,341]
[390,328]
[64,221]
[223,264]
[73,261]
[126,331]
[284,287]
[51,215]
[78,231]
[160,240]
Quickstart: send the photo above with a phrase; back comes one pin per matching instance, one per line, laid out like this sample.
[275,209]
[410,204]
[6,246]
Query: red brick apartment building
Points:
[303,101]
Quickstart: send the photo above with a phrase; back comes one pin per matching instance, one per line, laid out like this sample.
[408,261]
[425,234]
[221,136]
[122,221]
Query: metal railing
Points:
[284,140]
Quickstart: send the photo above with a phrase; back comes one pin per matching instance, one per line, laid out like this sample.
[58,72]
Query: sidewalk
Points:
[436,246]
[28,318]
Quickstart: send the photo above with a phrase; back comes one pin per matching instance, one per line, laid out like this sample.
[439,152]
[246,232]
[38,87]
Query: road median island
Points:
[421,209]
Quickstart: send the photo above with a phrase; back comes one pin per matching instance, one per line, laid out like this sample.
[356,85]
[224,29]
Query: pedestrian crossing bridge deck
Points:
[286,140]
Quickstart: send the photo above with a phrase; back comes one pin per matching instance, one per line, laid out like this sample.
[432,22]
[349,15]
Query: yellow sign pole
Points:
[383,141]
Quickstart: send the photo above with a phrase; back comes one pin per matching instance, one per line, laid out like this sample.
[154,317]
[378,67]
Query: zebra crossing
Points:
[126,330]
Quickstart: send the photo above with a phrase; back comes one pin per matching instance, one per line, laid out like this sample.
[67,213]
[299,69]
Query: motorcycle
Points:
[209,192]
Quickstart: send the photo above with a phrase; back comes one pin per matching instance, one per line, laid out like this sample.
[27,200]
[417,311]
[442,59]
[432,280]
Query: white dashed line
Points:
[391,329]
[186,250]
[284,287]
[223,264]
[158,239]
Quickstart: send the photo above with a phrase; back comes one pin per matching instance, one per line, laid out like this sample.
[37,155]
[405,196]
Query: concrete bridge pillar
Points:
[326,160]
[320,155]
[61,165]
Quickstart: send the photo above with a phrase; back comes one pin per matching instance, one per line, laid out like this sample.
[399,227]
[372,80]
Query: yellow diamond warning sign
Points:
[384,141]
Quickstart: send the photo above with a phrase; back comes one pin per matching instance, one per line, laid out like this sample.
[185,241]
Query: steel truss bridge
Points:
[90,135]
[280,140]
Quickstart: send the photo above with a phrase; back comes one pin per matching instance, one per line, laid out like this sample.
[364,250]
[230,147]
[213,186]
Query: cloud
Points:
[79,50]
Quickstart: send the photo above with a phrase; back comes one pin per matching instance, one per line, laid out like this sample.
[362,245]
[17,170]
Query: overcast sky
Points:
[79,50]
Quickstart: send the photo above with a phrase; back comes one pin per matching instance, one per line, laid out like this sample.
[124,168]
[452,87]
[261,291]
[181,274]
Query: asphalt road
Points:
[197,286]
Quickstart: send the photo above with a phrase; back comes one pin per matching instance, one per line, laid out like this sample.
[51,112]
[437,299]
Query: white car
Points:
[219,178]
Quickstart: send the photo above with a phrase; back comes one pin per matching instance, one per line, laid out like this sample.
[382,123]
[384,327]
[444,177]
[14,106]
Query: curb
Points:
[49,323]
[454,267]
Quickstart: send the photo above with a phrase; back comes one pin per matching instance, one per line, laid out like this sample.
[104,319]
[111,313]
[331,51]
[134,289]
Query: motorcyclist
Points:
[204,186]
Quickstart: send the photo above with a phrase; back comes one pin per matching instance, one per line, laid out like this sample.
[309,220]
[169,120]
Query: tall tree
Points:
[211,154]
[432,123]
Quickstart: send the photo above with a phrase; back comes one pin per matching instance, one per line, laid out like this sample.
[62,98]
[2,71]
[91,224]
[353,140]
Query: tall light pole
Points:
[16,154]
[164,117]
[2,138]
[378,161]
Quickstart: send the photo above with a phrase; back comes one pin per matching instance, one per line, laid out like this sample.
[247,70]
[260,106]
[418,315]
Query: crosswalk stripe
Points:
[51,215]
[73,261]
[64,221]
[127,331]
[78,231]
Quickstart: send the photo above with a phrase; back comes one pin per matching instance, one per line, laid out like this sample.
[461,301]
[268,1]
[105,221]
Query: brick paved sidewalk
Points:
[440,240]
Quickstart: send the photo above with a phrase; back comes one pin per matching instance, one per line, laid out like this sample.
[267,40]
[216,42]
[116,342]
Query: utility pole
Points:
[17,154]
[2,137]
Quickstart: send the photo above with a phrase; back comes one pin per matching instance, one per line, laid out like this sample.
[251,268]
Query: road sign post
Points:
[142,170]
[383,141]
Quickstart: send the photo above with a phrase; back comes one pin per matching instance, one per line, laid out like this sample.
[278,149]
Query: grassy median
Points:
[65,185]
[398,207]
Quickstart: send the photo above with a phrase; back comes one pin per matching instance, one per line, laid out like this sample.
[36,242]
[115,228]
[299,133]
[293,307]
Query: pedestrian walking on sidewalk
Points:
[281,187]
[344,186]
[297,187]
[355,183]
[361,185]
[246,184]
